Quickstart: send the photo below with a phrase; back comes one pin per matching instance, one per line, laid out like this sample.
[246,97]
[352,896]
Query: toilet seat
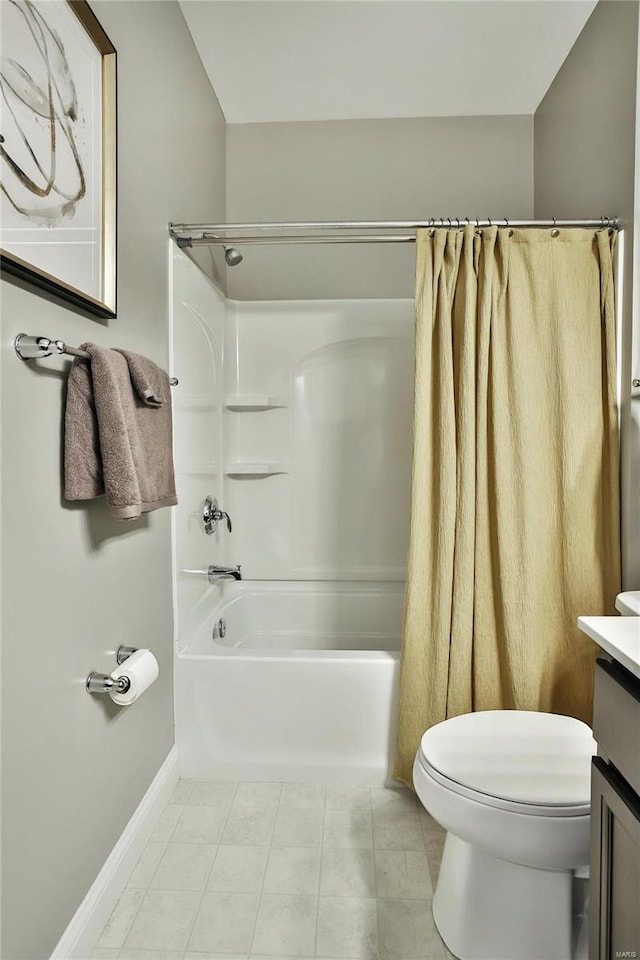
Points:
[513,806]
[532,763]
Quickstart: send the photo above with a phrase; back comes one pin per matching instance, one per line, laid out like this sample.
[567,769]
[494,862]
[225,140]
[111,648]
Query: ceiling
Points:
[285,60]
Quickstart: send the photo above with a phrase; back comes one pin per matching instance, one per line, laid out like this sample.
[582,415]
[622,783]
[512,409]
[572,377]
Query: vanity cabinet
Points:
[615,816]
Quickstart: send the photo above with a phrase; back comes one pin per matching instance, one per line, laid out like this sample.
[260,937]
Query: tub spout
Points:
[223,573]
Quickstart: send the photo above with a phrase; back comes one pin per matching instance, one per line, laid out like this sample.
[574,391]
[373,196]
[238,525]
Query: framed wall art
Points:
[58,151]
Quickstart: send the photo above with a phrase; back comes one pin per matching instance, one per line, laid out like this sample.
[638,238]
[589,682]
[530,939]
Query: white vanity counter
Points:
[618,636]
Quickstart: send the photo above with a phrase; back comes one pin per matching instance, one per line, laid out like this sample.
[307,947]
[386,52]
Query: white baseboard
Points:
[79,939]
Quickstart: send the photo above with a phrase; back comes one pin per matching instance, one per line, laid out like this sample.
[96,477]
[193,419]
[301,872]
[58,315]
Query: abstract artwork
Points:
[58,151]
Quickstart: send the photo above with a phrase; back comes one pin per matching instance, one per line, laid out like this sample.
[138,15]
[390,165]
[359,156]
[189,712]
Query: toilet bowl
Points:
[512,790]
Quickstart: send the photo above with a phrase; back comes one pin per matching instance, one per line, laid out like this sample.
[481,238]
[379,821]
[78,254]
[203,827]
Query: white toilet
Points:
[512,790]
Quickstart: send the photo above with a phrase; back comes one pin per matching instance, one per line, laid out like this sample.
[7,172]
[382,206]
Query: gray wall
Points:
[585,141]
[75,583]
[367,170]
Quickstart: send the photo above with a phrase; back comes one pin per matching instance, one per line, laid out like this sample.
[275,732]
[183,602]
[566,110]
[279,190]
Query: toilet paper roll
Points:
[142,669]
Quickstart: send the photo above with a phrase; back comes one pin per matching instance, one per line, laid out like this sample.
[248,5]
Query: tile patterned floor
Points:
[279,871]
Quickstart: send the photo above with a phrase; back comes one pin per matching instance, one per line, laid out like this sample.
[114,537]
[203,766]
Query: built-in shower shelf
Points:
[256,469]
[250,402]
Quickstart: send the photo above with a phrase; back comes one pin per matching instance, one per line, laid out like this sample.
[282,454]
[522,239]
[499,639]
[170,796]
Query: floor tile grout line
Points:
[147,888]
[191,785]
[166,845]
[375,882]
[204,889]
[324,818]
[264,875]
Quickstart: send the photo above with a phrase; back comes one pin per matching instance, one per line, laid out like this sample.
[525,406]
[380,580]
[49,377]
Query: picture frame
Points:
[58,152]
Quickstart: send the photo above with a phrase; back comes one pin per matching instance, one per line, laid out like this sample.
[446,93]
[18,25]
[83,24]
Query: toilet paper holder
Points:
[104,683]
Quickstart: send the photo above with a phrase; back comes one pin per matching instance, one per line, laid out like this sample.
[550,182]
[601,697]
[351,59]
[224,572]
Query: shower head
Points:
[232,256]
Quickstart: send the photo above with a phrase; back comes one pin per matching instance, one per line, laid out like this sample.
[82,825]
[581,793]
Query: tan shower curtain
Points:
[514,511]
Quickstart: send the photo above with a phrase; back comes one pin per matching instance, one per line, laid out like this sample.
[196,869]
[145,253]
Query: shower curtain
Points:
[514,510]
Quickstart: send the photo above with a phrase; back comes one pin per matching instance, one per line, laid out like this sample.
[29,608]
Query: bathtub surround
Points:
[514,513]
[310,454]
[328,422]
[75,583]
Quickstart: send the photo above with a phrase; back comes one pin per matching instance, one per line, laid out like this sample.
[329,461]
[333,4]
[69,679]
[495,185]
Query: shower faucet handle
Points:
[211,514]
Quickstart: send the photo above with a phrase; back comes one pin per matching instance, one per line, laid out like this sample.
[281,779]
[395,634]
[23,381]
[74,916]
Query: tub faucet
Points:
[223,573]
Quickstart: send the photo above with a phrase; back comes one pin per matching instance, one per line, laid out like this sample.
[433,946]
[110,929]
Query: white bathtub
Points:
[302,687]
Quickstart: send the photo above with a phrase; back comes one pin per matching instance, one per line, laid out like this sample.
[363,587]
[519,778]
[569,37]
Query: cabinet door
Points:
[615,866]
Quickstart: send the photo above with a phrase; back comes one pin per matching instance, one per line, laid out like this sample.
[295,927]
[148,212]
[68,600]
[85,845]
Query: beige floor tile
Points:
[344,798]
[396,827]
[147,864]
[181,793]
[249,825]
[165,826]
[184,866]
[407,931]
[302,795]
[209,793]
[258,794]
[293,870]
[286,925]
[163,921]
[200,824]
[238,869]
[347,873]
[298,827]
[131,954]
[347,927]
[348,828]
[224,922]
[434,848]
[119,923]
[197,955]
[403,874]
[401,797]
[428,824]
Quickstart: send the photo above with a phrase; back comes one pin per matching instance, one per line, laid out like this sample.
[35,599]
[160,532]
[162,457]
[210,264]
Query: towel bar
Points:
[32,348]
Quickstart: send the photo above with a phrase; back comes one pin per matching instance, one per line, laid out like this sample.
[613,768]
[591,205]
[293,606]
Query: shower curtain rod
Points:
[226,234]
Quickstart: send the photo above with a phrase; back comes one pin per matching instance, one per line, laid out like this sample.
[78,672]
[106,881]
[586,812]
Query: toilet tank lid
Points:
[517,755]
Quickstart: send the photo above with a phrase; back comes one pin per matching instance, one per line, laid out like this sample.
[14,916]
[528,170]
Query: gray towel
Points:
[150,382]
[117,440]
